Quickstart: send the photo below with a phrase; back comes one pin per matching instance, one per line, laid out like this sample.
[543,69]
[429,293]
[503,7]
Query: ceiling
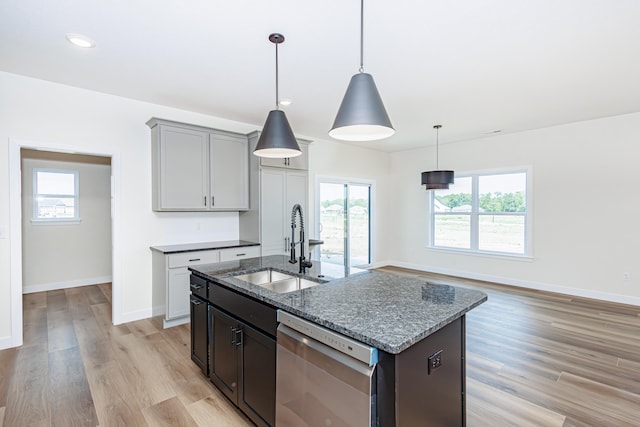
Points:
[474,67]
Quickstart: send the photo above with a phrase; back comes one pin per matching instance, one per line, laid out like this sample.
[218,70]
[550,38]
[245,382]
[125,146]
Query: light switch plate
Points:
[3,233]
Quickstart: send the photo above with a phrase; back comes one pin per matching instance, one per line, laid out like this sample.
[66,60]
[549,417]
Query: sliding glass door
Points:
[344,213]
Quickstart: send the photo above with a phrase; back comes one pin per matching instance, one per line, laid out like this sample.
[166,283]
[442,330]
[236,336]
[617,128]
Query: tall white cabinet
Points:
[197,168]
[276,185]
[280,190]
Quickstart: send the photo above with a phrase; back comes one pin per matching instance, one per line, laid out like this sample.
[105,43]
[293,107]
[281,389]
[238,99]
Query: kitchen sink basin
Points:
[276,281]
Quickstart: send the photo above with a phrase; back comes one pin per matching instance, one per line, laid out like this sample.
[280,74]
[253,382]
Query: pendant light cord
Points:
[277,102]
[437,128]
[361,36]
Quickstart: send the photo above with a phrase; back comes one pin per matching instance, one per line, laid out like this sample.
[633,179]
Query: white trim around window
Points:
[55,197]
[468,232]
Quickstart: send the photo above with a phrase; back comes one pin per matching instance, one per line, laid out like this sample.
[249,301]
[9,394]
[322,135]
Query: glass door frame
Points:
[320,179]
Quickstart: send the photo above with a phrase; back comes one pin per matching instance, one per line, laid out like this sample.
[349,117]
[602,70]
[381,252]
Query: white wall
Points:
[333,159]
[57,256]
[585,207]
[50,114]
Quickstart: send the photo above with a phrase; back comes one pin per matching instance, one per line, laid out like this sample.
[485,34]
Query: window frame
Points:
[475,214]
[76,196]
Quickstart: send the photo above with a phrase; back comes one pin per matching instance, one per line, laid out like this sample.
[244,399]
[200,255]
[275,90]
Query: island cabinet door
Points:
[257,376]
[199,321]
[224,352]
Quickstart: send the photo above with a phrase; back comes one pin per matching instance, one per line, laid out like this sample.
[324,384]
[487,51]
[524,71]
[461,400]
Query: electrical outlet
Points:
[626,276]
[434,361]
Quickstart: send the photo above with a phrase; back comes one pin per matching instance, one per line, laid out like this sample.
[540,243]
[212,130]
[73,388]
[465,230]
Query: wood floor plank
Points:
[170,412]
[105,288]
[78,303]
[216,410]
[95,295]
[113,400]
[69,397]
[145,377]
[60,332]
[34,300]
[102,315]
[27,394]
[56,300]
[487,405]
[7,360]
[35,328]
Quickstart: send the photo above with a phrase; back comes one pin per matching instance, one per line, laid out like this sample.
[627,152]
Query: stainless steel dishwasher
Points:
[323,379]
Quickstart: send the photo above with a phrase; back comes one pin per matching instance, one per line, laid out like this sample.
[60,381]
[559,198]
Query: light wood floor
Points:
[533,359]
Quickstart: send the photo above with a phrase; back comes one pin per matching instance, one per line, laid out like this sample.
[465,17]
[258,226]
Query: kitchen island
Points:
[408,320]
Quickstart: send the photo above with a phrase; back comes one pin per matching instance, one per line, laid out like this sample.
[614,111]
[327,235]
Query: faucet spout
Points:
[297,211]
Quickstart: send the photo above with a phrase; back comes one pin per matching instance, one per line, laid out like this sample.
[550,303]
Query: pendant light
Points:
[361,116]
[437,179]
[277,139]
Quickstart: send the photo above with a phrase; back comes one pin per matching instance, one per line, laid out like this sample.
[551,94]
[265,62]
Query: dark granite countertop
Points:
[387,311]
[205,246]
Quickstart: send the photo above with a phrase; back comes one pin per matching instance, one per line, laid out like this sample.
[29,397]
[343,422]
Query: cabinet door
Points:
[298,162]
[229,173]
[224,353]
[257,376]
[301,161]
[199,333]
[184,170]
[178,293]
[273,162]
[272,207]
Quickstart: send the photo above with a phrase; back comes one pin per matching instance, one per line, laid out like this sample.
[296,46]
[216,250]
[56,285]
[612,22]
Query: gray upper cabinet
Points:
[197,168]
[300,162]
[229,172]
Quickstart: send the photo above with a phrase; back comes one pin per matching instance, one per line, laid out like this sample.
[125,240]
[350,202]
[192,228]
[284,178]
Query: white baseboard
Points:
[132,316]
[64,285]
[175,322]
[540,286]
[157,310]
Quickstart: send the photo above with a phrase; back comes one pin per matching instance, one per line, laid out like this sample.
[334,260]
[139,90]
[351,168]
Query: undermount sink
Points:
[276,281]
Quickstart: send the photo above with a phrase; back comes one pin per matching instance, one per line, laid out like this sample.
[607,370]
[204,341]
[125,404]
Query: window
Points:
[55,194]
[482,212]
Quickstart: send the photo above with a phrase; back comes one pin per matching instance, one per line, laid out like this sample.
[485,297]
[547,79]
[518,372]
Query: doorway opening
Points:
[344,221]
[16,222]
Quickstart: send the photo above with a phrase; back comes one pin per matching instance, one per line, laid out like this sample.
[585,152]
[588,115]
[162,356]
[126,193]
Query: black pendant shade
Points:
[362,116]
[438,179]
[277,139]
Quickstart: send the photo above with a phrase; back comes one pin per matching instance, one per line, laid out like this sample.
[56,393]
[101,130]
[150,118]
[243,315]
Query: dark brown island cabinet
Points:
[233,341]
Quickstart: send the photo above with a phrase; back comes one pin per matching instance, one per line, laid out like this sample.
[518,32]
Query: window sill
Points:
[56,221]
[494,255]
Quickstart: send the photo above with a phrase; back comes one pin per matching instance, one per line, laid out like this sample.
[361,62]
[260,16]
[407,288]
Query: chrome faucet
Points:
[304,263]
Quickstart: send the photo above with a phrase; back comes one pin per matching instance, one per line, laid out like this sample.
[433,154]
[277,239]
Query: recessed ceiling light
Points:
[80,40]
[285,102]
